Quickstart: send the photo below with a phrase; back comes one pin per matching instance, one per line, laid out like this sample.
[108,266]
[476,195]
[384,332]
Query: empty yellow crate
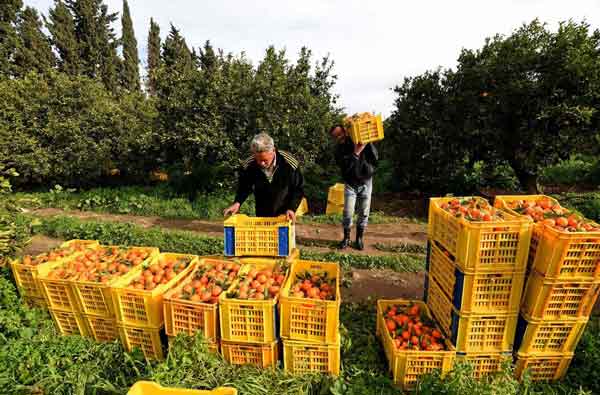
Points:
[302,208]
[481,246]
[150,388]
[69,323]
[96,298]
[545,368]
[408,367]
[556,299]
[249,321]
[147,339]
[259,355]
[366,128]
[141,307]
[102,329]
[259,236]
[336,194]
[485,363]
[26,275]
[333,208]
[301,357]
[542,336]
[560,254]
[310,320]
[471,332]
[476,292]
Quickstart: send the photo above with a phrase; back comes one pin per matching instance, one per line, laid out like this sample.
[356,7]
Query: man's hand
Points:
[291,215]
[231,210]
[358,148]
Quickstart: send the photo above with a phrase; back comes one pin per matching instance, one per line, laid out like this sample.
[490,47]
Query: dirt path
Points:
[315,236]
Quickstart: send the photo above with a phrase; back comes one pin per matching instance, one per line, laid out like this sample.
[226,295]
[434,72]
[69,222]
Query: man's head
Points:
[263,149]
[338,132]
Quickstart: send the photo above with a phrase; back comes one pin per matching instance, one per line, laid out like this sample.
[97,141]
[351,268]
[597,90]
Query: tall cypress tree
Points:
[61,26]
[208,58]
[153,55]
[96,40]
[130,73]
[176,55]
[9,40]
[34,51]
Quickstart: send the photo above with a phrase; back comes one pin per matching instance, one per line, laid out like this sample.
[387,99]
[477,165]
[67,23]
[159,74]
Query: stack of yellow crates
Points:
[475,277]
[562,287]
[310,326]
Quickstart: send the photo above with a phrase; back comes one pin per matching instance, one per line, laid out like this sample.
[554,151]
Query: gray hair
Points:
[262,142]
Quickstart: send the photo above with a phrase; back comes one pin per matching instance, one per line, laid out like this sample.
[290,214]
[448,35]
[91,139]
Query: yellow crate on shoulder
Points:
[151,388]
[364,128]
[492,246]
[144,307]
[259,236]
[310,320]
[408,366]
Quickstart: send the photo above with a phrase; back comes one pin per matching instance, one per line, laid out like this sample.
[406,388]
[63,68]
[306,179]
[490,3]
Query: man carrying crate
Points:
[357,163]
[275,178]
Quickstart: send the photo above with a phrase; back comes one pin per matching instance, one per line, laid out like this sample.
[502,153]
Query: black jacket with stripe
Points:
[284,192]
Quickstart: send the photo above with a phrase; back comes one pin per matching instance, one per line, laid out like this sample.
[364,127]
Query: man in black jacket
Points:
[357,163]
[275,178]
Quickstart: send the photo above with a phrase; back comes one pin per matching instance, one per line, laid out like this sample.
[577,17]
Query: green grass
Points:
[375,218]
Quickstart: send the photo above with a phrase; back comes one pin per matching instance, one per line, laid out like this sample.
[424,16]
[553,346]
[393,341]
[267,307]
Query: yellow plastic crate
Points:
[544,368]
[548,337]
[559,254]
[333,208]
[69,323]
[553,299]
[336,194]
[309,320]
[302,208]
[366,128]
[186,316]
[141,307]
[59,293]
[259,236]
[26,275]
[485,363]
[471,332]
[259,355]
[102,329]
[481,246]
[150,388]
[407,367]
[147,339]
[96,298]
[301,357]
[476,292]
[249,321]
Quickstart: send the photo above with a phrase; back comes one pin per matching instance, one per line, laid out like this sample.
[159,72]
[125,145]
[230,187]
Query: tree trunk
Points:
[528,181]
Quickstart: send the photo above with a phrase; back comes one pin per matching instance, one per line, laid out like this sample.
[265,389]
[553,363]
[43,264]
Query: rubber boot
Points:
[360,245]
[346,242]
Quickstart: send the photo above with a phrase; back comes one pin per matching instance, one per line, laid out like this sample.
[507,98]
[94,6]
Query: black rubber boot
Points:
[346,242]
[360,245]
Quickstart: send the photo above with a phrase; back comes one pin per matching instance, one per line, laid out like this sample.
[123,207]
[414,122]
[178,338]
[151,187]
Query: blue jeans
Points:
[358,199]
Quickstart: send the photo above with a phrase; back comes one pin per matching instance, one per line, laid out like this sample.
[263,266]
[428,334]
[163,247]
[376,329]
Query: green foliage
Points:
[9,39]
[578,169]
[153,60]
[130,72]
[61,26]
[587,204]
[69,130]
[525,100]
[587,357]
[34,52]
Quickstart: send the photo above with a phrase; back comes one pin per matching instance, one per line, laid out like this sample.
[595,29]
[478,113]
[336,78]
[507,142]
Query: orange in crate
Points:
[408,366]
[311,320]
[491,246]
[135,306]
[184,310]
[259,355]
